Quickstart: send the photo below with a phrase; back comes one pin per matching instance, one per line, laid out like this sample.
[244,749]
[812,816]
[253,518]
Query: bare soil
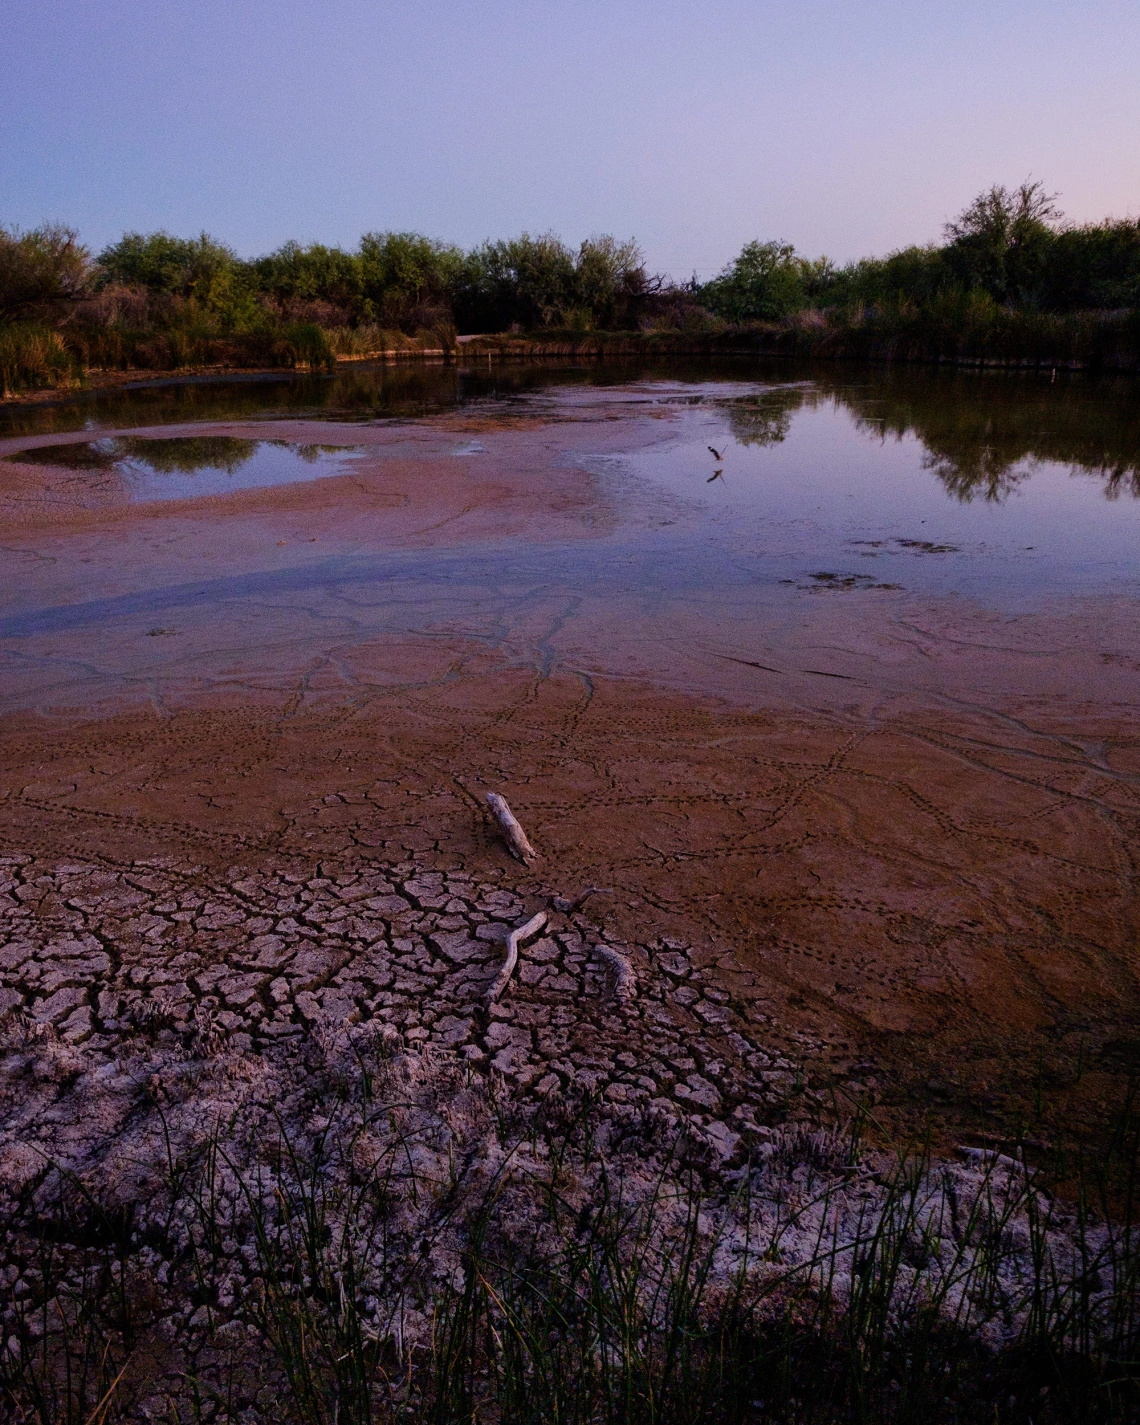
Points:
[938,913]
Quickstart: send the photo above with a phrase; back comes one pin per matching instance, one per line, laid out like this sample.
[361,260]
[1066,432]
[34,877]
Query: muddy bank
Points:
[259,1123]
[947,900]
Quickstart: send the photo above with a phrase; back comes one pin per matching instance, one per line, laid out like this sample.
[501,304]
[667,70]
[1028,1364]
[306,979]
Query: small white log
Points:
[514,940]
[516,836]
[622,977]
[980,1157]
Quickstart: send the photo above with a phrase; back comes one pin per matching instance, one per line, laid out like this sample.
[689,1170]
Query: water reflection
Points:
[182,466]
[983,432]
[355,393]
[207,452]
[766,419]
[983,438]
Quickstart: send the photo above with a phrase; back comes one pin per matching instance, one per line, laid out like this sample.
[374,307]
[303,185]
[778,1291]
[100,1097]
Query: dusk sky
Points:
[846,128]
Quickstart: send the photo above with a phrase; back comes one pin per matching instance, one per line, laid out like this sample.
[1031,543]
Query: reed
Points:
[549,1283]
[32,356]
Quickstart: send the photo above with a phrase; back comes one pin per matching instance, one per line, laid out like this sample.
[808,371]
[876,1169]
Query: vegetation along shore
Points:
[1011,283]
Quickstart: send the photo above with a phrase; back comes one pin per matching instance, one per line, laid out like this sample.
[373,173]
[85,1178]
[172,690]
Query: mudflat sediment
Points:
[863,845]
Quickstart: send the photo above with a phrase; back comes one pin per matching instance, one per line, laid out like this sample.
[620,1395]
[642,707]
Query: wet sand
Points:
[911,819]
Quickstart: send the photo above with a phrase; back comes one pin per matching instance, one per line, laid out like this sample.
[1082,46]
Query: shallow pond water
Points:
[876,526]
[830,488]
[188,467]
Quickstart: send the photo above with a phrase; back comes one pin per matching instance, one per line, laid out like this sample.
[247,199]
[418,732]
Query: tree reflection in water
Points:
[982,437]
[983,431]
[179,455]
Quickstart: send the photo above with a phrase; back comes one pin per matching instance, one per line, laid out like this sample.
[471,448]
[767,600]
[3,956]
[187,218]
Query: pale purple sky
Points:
[843,126]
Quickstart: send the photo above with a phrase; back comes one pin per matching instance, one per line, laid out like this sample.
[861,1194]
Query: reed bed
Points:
[31,356]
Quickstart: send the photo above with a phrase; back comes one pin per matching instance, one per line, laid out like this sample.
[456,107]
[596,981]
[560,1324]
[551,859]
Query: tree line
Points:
[154,300]
[1010,246]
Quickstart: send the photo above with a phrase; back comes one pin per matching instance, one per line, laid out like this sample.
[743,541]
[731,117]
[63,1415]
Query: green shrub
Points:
[42,272]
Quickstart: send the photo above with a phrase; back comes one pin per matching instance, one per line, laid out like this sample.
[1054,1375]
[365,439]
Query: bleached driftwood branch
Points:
[516,836]
[514,940]
[622,977]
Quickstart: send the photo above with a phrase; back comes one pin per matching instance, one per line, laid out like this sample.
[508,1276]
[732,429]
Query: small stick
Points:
[516,836]
[514,939]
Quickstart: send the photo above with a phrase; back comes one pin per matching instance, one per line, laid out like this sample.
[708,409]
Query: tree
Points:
[407,279]
[311,274]
[767,281]
[1001,241]
[178,267]
[194,280]
[609,278]
[42,272]
[912,274]
[1094,266]
[528,281]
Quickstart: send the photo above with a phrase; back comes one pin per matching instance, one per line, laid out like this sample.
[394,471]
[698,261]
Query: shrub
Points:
[42,272]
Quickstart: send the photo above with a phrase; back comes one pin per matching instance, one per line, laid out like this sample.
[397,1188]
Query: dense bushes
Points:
[1007,248]
[1010,283]
[161,302]
[768,280]
[41,272]
[31,355]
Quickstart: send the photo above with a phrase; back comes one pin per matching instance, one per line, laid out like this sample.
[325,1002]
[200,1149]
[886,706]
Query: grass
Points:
[32,356]
[369,340]
[555,1282]
[301,345]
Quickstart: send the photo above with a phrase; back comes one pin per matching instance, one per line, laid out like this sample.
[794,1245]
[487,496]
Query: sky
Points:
[846,127]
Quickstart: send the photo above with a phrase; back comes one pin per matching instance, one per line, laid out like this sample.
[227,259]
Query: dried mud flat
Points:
[244,969]
[226,1093]
[114,963]
[937,911]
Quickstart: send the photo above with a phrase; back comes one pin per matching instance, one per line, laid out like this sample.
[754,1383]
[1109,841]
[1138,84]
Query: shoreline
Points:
[589,347]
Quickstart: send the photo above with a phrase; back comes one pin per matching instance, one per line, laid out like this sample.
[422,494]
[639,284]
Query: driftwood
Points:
[568,907]
[514,940]
[623,981]
[516,836]
[983,1157]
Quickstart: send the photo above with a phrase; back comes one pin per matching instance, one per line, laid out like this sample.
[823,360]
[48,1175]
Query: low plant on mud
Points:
[414,1243]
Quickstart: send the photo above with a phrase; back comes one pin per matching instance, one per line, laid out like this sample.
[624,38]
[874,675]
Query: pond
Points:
[650,521]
